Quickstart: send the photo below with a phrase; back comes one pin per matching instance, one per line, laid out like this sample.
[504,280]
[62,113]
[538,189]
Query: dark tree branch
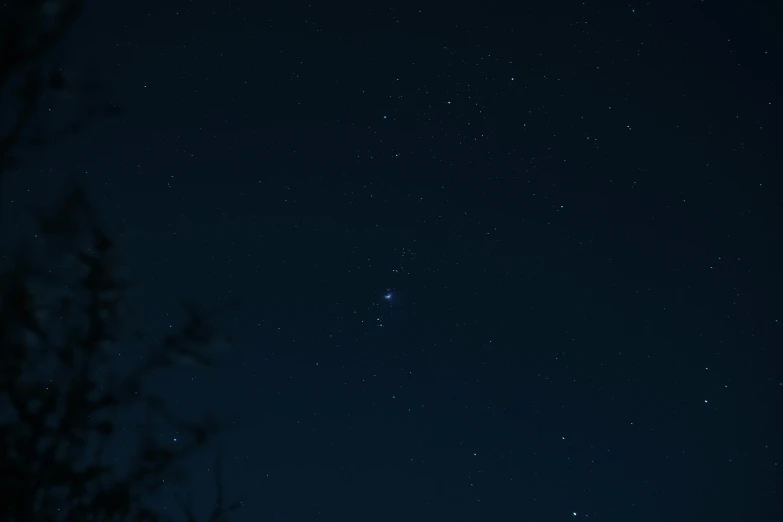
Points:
[62,314]
[29,31]
[59,422]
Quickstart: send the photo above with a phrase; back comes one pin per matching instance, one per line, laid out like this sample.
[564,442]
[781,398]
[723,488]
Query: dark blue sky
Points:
[574,207]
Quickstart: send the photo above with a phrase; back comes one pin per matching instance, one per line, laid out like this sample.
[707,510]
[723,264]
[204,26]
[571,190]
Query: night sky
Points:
[491,263]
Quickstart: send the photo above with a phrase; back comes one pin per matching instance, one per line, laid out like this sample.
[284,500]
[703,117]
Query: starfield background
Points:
[484,262]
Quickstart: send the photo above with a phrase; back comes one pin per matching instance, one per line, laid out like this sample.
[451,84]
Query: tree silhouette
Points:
[66,398]
[29,31]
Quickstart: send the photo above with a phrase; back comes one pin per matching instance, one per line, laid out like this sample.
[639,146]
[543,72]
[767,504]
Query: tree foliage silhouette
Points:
[29,31]
[65,399]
